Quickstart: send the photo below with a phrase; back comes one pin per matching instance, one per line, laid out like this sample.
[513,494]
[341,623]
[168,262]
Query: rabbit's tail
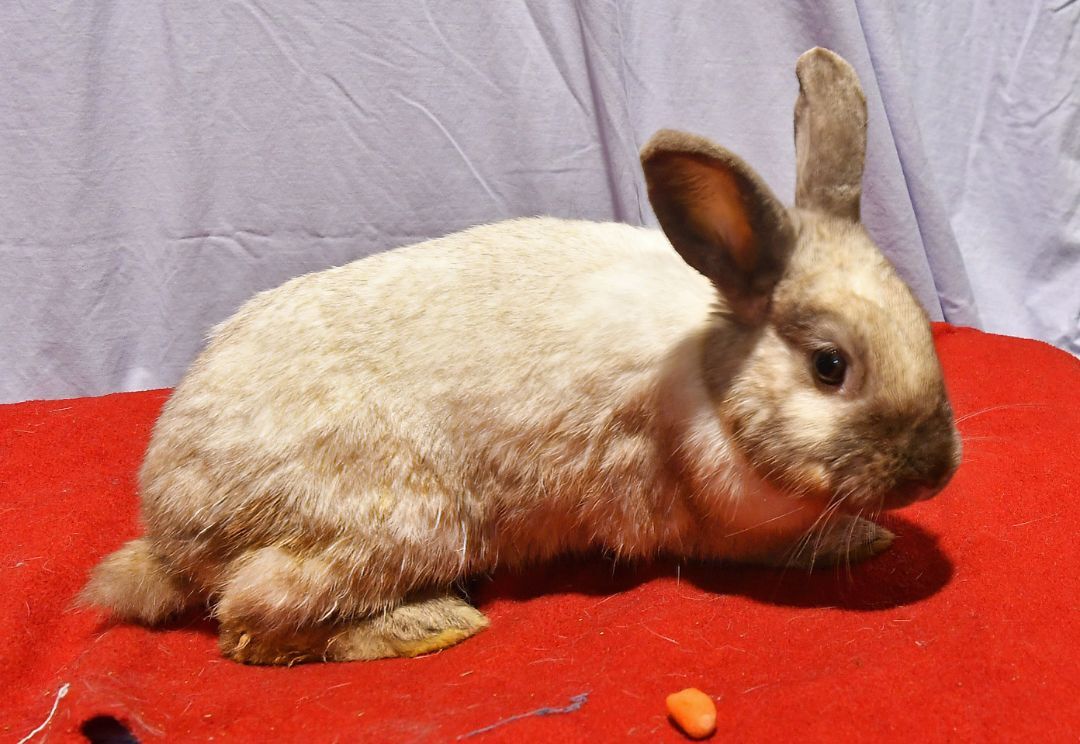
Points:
[133,584]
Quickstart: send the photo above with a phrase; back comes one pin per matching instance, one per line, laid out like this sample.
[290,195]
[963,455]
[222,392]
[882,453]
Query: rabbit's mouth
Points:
[912,490]
[909,494]
[859,500]
[928,483]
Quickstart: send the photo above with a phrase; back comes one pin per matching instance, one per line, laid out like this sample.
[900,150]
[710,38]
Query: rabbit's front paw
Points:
[842,541]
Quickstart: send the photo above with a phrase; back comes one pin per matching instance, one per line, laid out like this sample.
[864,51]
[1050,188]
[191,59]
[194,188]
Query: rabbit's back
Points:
[477,382]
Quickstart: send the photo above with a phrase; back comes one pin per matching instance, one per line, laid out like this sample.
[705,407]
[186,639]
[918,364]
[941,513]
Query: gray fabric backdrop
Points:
[161,162]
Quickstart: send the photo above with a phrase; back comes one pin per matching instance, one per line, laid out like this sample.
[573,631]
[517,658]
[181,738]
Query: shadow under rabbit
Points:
[912,569]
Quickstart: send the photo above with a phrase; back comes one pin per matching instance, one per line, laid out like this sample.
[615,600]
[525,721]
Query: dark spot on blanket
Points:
[107,730]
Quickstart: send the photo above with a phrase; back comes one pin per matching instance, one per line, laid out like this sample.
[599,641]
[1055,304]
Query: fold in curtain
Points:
[162,162]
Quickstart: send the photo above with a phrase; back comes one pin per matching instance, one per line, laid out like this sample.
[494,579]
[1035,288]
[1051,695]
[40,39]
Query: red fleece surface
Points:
[966,630]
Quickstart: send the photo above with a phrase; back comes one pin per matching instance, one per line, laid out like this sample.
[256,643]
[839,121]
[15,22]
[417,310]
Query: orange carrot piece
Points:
[693,711]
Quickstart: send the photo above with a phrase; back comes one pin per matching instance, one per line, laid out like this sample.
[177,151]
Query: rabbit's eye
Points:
[830,366]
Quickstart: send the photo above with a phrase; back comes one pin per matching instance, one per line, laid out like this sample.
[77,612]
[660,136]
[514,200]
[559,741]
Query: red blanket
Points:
[965,630]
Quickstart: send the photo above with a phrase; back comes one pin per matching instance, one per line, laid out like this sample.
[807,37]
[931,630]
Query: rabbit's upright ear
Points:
[721,218]
[830,135]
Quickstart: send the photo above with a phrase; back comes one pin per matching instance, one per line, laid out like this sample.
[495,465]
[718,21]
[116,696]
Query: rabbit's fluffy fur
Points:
[353,443]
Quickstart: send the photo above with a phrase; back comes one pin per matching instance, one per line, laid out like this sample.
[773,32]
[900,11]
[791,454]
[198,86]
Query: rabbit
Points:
[748,384]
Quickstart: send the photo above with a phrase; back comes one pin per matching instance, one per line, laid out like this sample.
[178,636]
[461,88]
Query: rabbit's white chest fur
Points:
[502,394]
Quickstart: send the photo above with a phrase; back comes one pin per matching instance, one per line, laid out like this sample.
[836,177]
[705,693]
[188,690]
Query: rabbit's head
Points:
[819,359]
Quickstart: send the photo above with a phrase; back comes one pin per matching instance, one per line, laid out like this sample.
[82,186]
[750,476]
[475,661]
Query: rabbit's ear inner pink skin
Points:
[830,135]
[721,217]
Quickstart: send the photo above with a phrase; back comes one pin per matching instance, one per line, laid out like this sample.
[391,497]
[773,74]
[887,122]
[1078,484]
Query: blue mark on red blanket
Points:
[575,704]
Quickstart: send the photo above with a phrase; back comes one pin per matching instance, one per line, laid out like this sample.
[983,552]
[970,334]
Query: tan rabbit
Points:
[353,443]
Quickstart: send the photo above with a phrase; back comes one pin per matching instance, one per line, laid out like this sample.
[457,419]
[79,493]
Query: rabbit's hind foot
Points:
[417,627]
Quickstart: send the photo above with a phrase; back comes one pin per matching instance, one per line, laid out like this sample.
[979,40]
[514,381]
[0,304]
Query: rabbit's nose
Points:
[941,472]
[933,455]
